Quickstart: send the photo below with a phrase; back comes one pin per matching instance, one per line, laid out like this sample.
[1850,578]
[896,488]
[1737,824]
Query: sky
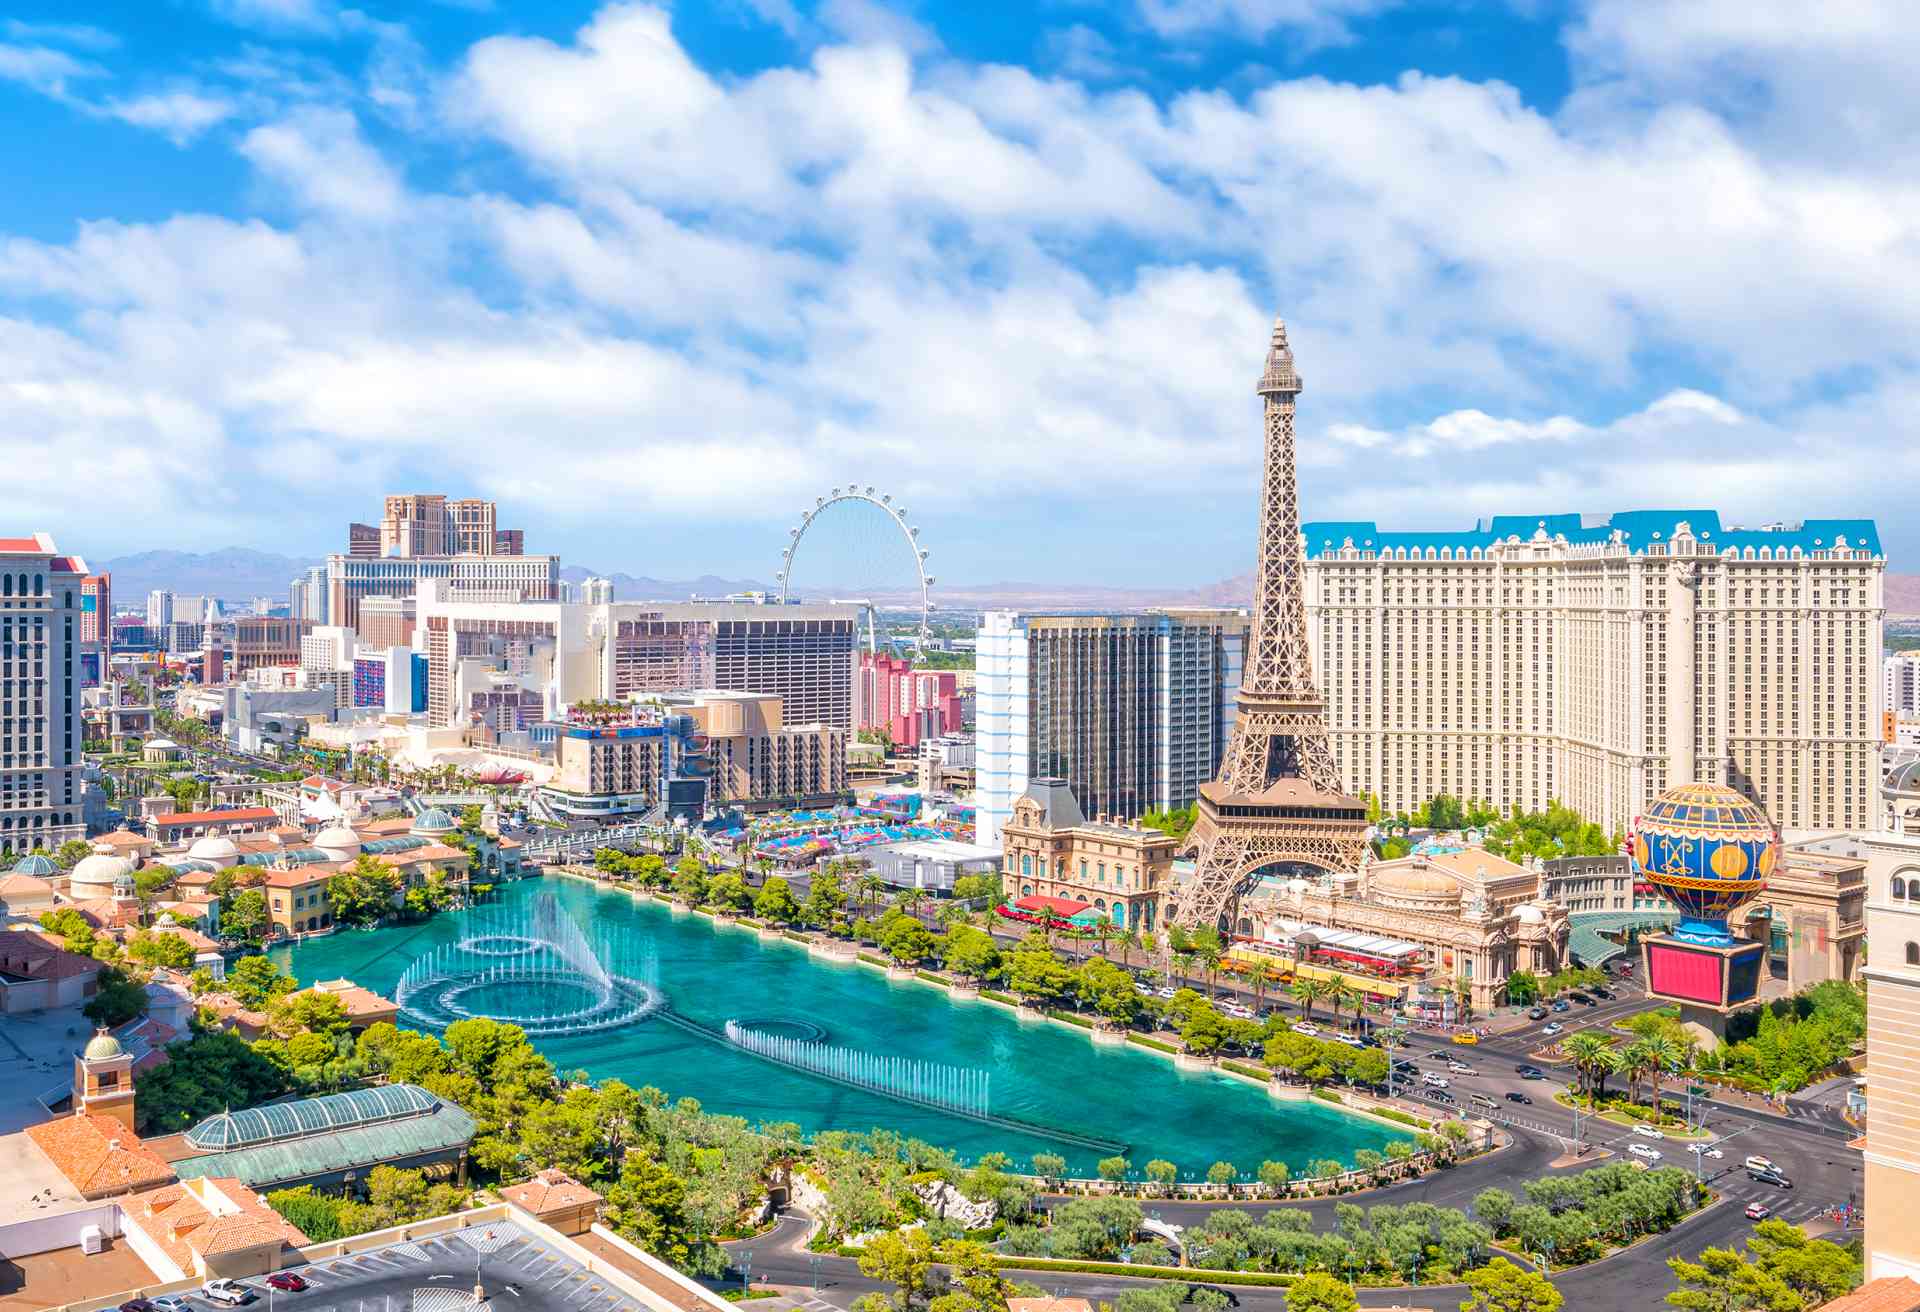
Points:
[655,276]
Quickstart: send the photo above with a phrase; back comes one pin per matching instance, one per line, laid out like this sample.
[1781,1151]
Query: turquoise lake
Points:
[1042,1073]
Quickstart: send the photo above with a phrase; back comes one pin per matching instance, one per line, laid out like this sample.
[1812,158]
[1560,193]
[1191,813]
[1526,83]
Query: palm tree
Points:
[1263,974]
[1305,992]
[1129,940]
[1635,1061]
[1583,1050]
[1183,962]
[1342,993]
[1663,1054]
[1610,1061]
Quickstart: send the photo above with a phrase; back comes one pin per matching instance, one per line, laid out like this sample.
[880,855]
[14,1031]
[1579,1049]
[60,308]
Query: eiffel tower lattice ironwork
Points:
[1278,797]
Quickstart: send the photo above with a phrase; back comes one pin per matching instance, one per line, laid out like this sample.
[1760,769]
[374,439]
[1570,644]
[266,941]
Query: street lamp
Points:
[813,1268]
[746,1269]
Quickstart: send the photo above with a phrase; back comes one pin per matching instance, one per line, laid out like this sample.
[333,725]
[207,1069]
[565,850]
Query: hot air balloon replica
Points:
[1708,850]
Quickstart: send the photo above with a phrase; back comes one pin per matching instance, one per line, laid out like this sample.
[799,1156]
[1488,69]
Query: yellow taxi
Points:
[1466,1036]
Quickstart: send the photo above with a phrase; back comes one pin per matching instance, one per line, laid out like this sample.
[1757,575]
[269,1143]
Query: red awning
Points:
[1057,906]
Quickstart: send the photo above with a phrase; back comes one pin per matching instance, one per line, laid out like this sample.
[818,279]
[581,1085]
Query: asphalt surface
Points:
[438,1274]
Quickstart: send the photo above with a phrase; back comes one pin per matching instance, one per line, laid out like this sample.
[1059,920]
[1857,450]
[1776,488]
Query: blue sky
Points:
[654,276]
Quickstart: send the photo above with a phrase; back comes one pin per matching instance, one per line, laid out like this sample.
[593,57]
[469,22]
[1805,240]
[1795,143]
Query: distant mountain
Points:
[639,587]
[1903,595]
[231,574]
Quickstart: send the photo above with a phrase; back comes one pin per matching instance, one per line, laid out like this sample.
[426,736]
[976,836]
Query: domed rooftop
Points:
[215,847]
[1529,914]
[1904,778]
[101,1046]
[35,864]
[162,745]
[99,869]
[337,838]
[434,821]
[1420,882]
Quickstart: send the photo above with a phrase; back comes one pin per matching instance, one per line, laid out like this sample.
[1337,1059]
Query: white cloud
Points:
[997,285]
[319,158]
[180,116]
[1313,22]
[81,36]
[43,69]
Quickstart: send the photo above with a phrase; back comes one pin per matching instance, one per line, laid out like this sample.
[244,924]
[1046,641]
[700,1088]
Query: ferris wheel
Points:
[854,546]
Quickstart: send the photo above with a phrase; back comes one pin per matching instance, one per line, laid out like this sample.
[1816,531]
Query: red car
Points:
[1758,1211]
[286,1282]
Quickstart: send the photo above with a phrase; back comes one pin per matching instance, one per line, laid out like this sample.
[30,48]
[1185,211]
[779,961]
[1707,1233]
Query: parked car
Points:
[172,1303]
[1466,1036]
[1536,1013]
[230,1292]
[1559,1004]
[1758,1211]
[287,1282]
[1641,1150]
[1552,1028]
[1602,993]
[1520,1098]
[1648,1132]
[1773,1178]
[137,1305]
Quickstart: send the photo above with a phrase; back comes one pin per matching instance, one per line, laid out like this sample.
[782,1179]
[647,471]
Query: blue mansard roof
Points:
[1637,528]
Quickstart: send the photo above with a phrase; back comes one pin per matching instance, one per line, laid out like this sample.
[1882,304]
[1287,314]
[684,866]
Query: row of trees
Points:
[1576,1218]
[1525,988]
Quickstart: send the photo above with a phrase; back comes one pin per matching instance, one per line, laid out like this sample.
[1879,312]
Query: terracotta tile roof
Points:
[239,815]
[357,1001]
[34,955]
[106,913]
[24,886]
[123,838]
[384,828]
[21,544]
[207,1217]
[1049,1303]
[431,852]
[1887,1294]
[192,937]
[289,834]
[193,879]
[548,1190]
[98,1155]
[300,876]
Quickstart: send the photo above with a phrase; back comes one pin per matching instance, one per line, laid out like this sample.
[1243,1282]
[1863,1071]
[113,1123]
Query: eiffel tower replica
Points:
[1278,799]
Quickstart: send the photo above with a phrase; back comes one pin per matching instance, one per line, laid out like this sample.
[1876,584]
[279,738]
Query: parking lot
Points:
[438,1275]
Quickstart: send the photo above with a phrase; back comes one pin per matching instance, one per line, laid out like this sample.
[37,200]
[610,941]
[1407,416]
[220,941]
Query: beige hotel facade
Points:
[1893,1052]
[1537,659]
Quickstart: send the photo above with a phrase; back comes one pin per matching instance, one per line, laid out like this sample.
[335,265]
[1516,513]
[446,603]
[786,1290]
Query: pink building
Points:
[909,704]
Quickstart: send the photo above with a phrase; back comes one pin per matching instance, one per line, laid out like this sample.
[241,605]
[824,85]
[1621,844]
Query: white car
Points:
[1705,1151]
[1351,1040]
[1648,1132]
[230,1292]
[1306,1027]
[1433,1081]
[1459,1068]
[172,1303]
[1237,1010]
[1165,991]
[1641,1150]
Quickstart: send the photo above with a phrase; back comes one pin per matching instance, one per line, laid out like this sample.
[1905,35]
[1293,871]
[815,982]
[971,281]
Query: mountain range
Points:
[238,574]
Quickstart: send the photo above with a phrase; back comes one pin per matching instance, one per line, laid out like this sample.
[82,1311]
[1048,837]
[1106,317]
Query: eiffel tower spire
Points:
[1278,798]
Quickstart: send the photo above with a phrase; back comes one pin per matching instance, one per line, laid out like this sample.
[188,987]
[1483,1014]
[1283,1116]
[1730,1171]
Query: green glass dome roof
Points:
[297,1120]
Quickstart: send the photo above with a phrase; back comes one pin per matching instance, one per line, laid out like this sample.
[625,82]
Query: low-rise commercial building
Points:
[1052,850]
[930,864]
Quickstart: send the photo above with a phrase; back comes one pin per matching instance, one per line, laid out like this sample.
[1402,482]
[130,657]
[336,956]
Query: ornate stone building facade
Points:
[1478,917]
[1051,849]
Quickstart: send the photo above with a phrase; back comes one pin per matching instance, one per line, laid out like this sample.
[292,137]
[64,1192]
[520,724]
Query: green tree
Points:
[776,902]
[245,917]
[1500,1286]
[72,852]
[1316,1291]
[1113,1168]
[1049,1166]
[203,1076]
[728,892]
[1523,987]
[118,999]
[907,941]
[971,953]
[648,1204]
[256,981]
[168,950]
[974,1282]
[1162,1173]
[365,893]
[1781,1271]
[1108,990]
[1221,1173]
[1037,976]
[1204,1030]
[826,900]
[1274,1175]
[309,1012]
[904,1259]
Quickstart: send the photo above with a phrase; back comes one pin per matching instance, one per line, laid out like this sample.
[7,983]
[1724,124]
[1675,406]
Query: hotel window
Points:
[1913,954]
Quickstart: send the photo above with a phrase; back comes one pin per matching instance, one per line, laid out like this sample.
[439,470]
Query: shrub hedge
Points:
[1155,1044]
[1184,1274]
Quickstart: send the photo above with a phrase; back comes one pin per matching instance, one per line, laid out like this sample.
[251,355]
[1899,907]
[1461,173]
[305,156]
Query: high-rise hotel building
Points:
[1132,710]
[40,646]
[1550,658]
